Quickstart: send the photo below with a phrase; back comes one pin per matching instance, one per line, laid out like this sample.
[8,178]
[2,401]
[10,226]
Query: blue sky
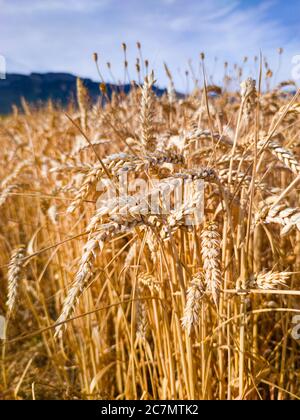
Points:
[61,35]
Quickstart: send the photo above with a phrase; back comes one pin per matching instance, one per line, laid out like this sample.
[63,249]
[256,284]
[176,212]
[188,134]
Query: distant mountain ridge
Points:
[40,87]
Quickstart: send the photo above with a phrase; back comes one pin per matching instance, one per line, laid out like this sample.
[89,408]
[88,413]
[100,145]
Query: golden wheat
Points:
[184,289]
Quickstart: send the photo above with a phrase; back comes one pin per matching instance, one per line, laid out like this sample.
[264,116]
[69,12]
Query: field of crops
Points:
[150,247]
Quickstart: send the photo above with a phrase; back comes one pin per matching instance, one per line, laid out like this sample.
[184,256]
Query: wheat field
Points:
[106,299]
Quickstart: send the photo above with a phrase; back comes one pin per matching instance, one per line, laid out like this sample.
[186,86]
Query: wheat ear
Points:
[288,217]
[83,102]
[270,280]
[211,255]
[82,277]
[14,275]
[285,156]
[85,271]
[195,295]
[146,118]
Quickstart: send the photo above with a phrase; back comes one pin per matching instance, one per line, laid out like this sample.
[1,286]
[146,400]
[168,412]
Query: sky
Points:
[61,35]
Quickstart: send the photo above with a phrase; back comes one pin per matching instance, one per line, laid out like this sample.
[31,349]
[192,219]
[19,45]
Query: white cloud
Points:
[180,23]
[33,6]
